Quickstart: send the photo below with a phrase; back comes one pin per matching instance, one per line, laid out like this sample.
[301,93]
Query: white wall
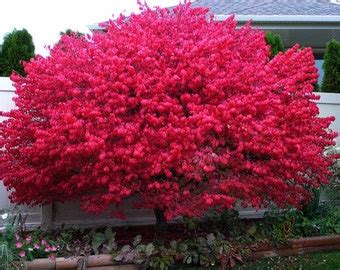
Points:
[70,213]
[329,105]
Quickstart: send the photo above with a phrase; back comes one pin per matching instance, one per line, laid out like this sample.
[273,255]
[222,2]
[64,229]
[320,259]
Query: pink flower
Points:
[53,248]
[36,246]
[43,242]
[18,245]
[28,239]
[17,237]
[22,254]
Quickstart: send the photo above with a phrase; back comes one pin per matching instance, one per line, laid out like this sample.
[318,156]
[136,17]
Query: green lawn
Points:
[315,261]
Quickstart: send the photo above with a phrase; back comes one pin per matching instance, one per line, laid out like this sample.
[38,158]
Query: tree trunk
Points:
[161,222]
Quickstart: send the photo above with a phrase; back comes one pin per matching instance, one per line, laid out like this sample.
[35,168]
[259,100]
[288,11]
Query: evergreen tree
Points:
[276,43]
[17,46]
[331,66]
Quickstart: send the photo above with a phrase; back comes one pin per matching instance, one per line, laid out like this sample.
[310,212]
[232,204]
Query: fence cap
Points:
[328,98]
[6,84]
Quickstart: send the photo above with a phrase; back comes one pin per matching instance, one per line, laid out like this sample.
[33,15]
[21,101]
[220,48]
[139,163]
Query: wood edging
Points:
[105,262]
[318,241]
[315,241]
[290,251]
[298,247]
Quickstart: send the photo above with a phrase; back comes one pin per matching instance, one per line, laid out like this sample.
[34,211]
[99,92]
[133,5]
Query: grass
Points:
[315,261]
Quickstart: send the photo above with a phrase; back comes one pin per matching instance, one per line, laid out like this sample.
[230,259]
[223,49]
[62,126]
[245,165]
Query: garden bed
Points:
[218,239]
[105,262]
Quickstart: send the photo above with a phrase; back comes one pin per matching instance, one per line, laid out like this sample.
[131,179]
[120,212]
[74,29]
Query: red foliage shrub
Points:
[183,111]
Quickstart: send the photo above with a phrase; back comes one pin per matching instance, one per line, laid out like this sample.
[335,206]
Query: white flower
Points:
[4,216]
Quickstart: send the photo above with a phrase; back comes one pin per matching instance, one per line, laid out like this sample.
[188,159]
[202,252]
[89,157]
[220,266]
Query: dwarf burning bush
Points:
[183,111]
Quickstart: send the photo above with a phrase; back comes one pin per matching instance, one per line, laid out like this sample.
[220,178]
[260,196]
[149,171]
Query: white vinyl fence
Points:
[70,213]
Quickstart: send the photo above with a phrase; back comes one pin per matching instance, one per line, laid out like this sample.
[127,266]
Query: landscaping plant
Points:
[179,111]
[333,188]
[275,42]
[17,47]
[7,251]
[331,66]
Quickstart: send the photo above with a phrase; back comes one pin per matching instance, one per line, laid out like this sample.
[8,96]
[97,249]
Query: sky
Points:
[45,19]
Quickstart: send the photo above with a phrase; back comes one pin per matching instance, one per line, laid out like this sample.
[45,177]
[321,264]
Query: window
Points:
[318,63]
